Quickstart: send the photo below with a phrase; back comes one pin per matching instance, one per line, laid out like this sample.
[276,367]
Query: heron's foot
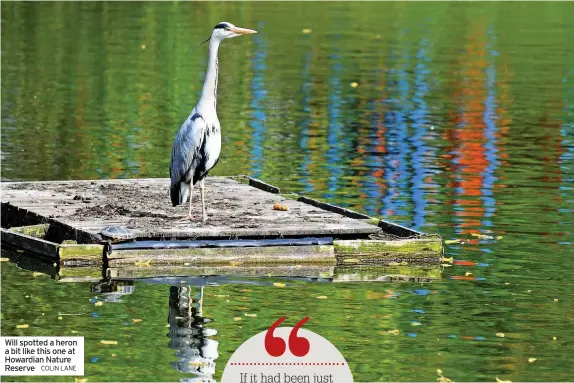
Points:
[187,218]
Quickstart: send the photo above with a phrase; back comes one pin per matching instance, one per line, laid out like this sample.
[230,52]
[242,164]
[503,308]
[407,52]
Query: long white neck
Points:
[208,97]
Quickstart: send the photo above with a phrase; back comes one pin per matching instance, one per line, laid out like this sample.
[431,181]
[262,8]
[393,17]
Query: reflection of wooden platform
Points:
[235,209]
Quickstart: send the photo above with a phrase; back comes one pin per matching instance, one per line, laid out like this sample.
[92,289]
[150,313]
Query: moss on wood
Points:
[38,231]
[295,270]
[373,221]
[83,272]
[403,246]
[314,254]
[88,252]
[397,252]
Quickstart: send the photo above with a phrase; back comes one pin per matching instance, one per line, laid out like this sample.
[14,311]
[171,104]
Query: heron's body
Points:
[197,146]
[195,152]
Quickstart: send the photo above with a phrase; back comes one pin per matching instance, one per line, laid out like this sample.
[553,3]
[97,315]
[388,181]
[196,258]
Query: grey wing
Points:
[186,146]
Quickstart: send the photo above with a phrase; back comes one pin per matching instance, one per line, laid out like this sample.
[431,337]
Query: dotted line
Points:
[286,364]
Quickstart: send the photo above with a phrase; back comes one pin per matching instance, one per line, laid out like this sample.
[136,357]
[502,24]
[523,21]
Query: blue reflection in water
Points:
[306,121]
[418,311]
[374,160]
[390,133]
[258,117]
[490,130]
[334,138]
[419,117]
[402,143]
[396,172]
[567,132]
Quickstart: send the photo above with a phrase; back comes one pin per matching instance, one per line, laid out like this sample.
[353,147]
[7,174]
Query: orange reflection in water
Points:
[470,133]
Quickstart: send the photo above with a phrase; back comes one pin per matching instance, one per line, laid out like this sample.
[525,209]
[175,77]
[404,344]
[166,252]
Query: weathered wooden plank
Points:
[38,231]
[60,231]
[304,271]
[315,254]
[235,210]
[405,251]
[272,231]
[146,181]
[84,253]
[12,215]
[220,243]
[48,210]
[35,245]
[333,208]
[263,186]
[398,230]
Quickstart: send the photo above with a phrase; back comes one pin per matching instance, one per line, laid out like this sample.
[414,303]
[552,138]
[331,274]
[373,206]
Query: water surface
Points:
[461,123]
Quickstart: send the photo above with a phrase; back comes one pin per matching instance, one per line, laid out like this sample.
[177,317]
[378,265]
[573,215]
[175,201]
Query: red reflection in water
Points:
[462,278]
[470,133]
[464,263]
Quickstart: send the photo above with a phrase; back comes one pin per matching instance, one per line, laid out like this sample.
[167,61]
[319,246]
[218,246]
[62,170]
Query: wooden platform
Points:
[61,223]
[235,209]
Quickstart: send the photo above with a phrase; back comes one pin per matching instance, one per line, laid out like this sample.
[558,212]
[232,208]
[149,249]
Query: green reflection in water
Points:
[461,123]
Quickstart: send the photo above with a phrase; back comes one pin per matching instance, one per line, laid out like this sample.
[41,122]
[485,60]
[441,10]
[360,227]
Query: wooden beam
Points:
[296,270]
[314,254]
[158,245]
[12,215]
[333,208]
[263,186]
[59,231]
[38,231]
[399,252]
[79,210]
[32,244]
[81,253]
[398,230]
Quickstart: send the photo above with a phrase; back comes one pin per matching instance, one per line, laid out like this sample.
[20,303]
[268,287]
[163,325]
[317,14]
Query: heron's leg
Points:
[190,200]
[201,191]
[201,302]
[188,217]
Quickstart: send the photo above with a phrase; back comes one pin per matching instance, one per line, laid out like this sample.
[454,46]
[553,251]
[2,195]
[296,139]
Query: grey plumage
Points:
[190,158]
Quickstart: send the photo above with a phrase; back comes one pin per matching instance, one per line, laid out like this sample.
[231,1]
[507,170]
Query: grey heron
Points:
[197,145]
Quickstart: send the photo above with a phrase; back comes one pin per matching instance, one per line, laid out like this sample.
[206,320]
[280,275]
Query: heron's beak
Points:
[242,31]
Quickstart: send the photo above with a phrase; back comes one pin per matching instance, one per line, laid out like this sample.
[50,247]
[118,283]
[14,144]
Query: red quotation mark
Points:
[298,345]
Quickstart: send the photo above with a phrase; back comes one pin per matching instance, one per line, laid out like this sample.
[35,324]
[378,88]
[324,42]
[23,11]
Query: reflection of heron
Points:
[196,351]
[197,146]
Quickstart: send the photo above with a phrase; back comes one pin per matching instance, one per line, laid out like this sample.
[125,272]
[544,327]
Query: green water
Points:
[462,123]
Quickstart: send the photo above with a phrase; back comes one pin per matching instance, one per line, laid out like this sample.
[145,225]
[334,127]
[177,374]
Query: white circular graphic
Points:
[318,361]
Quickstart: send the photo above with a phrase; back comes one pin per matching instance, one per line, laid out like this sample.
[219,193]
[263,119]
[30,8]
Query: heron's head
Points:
[225,30]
